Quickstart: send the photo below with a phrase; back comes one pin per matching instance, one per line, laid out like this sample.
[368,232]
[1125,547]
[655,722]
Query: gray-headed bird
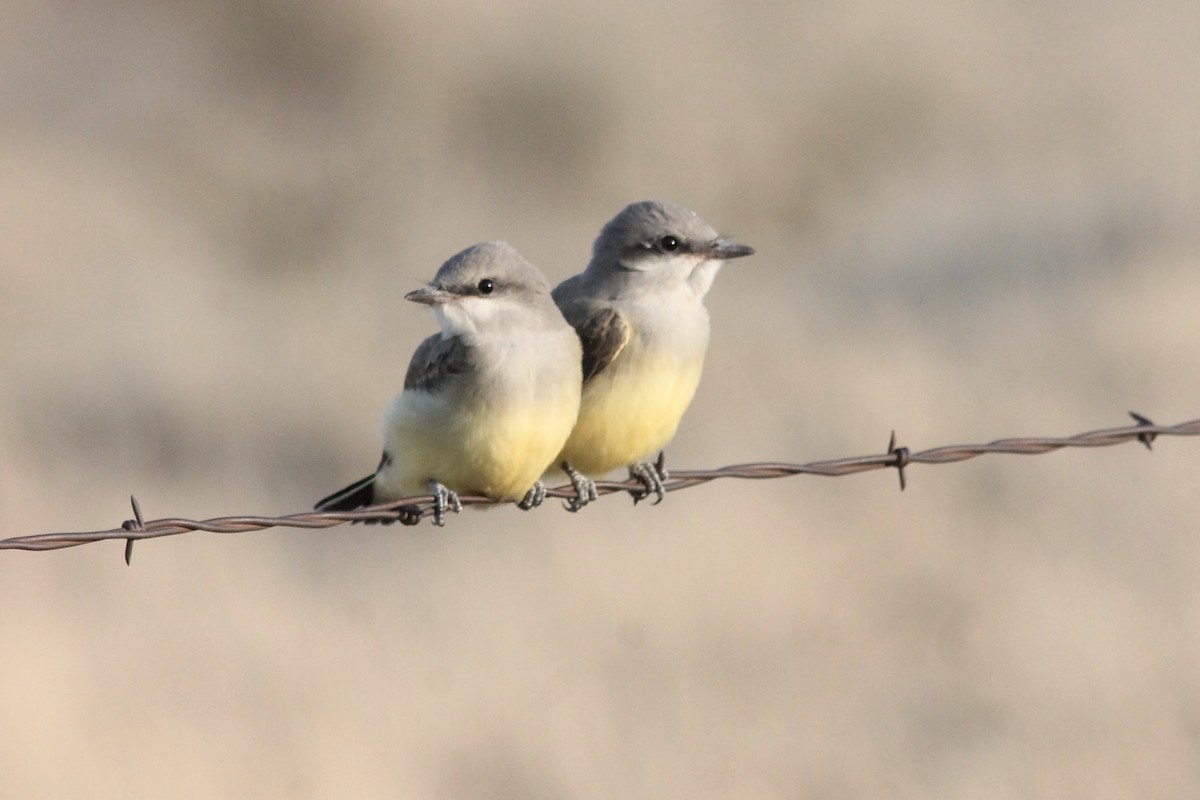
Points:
[489,401]
[639,311]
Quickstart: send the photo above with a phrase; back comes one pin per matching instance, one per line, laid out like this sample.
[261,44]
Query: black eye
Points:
[486,286]
[668,244]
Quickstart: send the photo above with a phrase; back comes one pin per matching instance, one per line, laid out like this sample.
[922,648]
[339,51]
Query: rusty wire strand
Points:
[415,508]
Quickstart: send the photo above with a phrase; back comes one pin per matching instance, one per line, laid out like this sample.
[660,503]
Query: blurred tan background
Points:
[973,219]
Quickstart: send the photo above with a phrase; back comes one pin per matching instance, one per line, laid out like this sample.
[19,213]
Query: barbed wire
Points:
[411,510]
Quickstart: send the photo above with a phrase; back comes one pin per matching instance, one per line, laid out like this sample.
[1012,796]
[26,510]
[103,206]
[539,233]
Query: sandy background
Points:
[973,219]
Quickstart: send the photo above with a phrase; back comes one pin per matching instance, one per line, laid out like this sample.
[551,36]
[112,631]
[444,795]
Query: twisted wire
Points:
[417,507]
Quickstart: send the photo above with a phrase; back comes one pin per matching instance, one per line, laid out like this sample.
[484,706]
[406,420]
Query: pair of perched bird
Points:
[592,376]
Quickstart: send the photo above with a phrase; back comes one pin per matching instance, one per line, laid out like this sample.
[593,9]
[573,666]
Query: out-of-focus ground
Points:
[973,220]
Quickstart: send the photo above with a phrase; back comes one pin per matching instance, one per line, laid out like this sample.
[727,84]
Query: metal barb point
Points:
[1146,438]
[135,524]
[903,456]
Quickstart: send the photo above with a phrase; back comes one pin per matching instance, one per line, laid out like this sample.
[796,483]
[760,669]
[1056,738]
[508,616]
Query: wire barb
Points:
[901,456]
[1147,437]
[411,510]
[135,524]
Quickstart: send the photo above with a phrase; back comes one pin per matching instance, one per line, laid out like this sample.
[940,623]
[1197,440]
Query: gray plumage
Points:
[488,401]
[632,270]
[638,309]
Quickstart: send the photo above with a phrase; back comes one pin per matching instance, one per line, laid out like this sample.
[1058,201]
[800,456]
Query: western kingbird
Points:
[639,311]
[488,402]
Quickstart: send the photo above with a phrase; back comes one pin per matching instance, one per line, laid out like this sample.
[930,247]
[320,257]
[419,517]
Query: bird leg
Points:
[585,488]
[443,499]
[534,497]
[652,477]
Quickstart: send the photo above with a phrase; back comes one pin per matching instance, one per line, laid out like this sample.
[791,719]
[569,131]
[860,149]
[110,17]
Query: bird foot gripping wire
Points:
[652,477]
[443,500]
[534,497]
[585,489]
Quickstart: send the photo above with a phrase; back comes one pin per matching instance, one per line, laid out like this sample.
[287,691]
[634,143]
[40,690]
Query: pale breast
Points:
[494,433]
[632,409]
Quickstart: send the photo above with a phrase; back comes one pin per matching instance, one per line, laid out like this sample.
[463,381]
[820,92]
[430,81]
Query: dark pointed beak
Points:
[725,249]
[430,296]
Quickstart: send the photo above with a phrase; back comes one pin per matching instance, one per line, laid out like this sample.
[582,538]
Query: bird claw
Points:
[585,489]
[652,477]
[443,499]
[534,497]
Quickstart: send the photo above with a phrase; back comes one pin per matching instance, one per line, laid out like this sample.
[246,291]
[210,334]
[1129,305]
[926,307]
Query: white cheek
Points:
[452,319]
[702,276]
[469,314]
[687,275]
[677,266]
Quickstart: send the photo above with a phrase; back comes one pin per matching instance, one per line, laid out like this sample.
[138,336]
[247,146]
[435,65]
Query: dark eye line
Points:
[669,243]
[666,244]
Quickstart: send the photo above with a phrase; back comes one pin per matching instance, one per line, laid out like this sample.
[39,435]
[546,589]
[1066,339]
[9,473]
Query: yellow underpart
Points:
[630,411]
[499,453]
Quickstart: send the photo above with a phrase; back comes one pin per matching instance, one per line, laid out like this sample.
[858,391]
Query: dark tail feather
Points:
[356,495]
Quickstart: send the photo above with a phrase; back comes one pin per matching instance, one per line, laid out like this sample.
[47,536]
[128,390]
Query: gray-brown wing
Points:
[436,361]
[603,332]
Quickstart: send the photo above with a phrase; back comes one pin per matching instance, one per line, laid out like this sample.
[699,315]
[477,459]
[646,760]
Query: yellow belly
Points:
[498,453]
[630,411]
